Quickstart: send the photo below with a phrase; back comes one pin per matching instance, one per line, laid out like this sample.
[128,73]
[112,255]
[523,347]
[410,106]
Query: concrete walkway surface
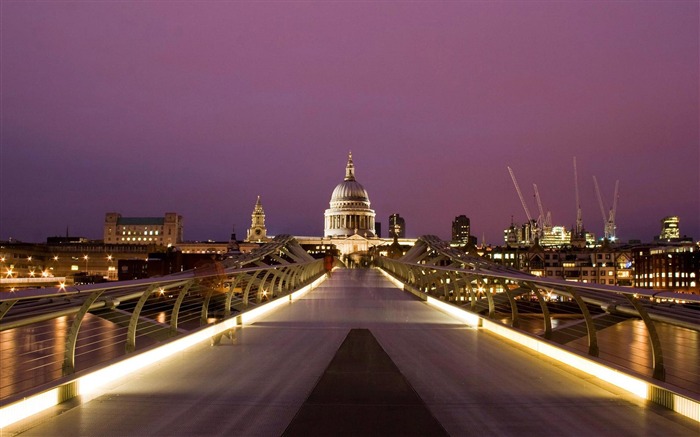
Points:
[468,381]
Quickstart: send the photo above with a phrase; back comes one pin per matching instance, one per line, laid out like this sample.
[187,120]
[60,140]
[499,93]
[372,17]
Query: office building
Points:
[160,231]
[397,226]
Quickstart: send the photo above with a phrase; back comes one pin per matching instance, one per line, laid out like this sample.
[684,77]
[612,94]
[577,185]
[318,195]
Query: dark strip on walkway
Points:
[362,392]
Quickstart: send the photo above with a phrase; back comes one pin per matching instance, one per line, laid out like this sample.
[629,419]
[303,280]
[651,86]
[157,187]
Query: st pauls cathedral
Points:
[349,222]
[349,213]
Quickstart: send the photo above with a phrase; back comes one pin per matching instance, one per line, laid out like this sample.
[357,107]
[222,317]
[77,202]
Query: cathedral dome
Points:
[350,191]
[349,211]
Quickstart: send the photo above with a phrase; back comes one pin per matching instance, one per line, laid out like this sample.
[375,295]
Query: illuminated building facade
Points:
[670,229]
[257,232]
[28,265]
[160,231]
[604,265]
[552,236]
[672,268]
[461,230]
[397,226]
[349,213]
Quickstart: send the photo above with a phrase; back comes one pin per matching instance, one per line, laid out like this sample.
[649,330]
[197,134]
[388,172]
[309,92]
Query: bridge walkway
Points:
[472,382]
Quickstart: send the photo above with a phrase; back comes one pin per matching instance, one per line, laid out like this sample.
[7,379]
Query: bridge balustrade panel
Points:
[654,335]
[50,334]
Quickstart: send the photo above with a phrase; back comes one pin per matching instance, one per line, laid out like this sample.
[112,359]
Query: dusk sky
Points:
[193,107]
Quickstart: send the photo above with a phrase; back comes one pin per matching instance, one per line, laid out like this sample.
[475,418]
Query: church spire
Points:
[350,169]
[258,216]
[257,231]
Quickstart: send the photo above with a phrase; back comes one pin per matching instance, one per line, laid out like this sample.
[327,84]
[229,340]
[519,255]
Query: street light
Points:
[110,268]
[85,257]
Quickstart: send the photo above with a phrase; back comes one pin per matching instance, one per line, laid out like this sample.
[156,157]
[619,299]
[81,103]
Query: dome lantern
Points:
[350,169]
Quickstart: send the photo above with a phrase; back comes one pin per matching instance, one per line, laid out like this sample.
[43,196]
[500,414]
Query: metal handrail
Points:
[433,268]
[138,311]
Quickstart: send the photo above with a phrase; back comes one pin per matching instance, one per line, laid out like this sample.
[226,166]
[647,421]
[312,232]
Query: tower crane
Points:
[612,227]
[544,221]
[522,200]
[579,215]
[609,219]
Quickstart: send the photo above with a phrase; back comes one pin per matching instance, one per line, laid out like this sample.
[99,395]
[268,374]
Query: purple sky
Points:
[198,107]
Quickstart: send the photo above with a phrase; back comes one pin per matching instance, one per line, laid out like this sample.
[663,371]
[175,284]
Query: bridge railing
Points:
[648,333]
[50,334]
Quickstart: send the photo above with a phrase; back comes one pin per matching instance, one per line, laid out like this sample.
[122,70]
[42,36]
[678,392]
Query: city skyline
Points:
[150,108]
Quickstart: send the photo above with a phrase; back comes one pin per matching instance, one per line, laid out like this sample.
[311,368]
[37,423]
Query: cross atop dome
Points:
[350,169]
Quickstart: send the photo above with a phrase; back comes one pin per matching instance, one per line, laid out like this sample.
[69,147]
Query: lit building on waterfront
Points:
[603,265]
[27,265]
[673,267]
[160,231]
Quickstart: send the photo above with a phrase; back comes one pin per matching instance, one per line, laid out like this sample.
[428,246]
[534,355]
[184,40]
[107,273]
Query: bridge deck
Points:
[472,382]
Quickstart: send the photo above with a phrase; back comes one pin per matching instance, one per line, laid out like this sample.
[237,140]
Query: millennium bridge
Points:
[274,343]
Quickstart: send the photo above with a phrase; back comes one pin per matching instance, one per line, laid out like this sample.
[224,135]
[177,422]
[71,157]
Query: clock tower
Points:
[257,232]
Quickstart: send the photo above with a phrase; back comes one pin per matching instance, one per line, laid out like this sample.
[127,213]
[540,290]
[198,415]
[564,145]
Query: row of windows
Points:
[138,233]
[135,230]
[504,256]
[584,273]
[141,239]
[670,284]
[610,273]
[556,256]
[591,281]
[670,275]
[120,232]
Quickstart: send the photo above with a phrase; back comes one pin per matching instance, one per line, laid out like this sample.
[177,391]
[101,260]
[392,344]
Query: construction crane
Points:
[612,227]
[579,216]
[522,201]
[609,219]
[544,221]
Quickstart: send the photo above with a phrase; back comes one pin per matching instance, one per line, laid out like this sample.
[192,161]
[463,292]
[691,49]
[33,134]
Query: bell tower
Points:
[257,232]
